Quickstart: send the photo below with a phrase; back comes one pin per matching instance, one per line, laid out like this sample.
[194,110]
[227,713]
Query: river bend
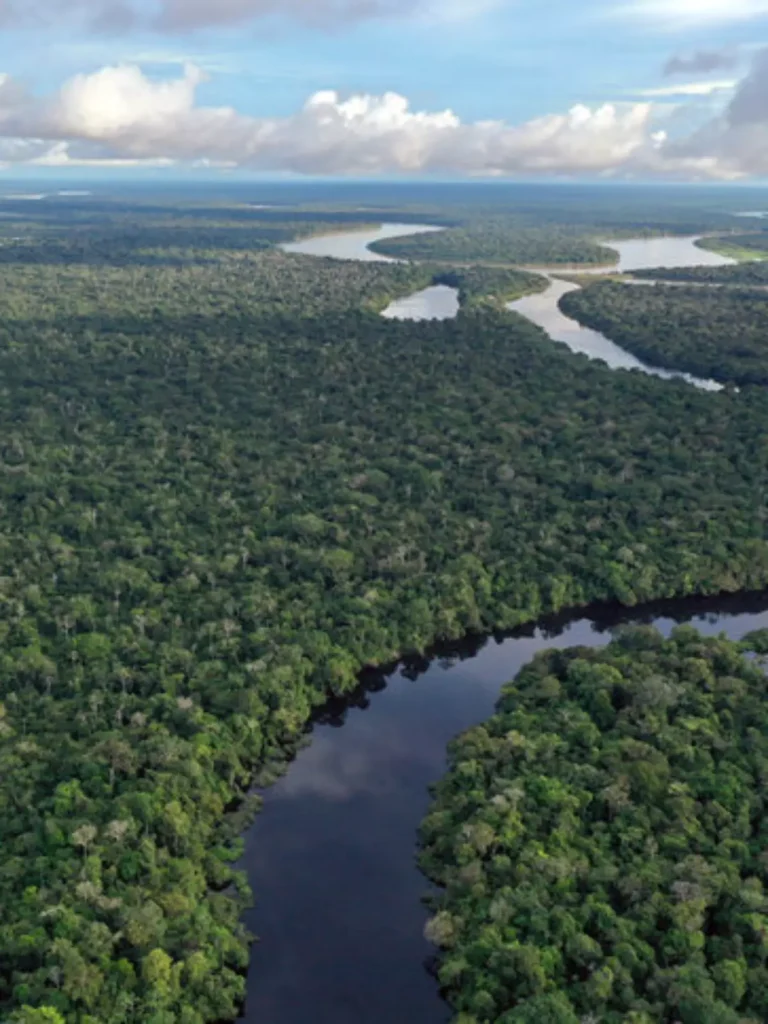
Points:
[331,858]
[441,302]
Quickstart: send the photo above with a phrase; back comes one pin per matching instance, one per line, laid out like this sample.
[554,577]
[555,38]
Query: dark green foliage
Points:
[751,274]
[602,838]
[498,285]
[501,241]
[750,245]
[226,484]
[719,333]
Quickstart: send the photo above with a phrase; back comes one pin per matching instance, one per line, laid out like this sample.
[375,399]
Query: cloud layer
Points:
[735,143]
[118,115]
[702,62]
[184,15]
[676,14]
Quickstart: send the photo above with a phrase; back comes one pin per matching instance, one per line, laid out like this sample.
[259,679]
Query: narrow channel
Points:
[634,254]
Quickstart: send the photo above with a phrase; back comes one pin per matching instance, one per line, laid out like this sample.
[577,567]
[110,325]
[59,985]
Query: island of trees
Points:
[601,841]
[497,241]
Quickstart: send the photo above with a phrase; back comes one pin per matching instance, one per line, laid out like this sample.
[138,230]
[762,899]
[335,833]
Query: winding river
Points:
[332,857]
[441,302]
[634,254]
[436,303]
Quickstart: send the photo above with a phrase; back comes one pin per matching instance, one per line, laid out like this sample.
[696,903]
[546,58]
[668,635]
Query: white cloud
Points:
[115,101]
[137,118]
[119,116]
[688,89]
[120,113]
[678,14]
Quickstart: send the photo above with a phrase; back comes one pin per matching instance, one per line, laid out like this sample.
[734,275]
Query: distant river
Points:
[441,302]
[436,303]
[634,254]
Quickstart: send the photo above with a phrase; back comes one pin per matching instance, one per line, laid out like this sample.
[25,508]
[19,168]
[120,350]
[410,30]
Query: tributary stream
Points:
[332,857]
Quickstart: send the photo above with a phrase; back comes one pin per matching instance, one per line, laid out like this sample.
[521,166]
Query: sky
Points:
[596,89]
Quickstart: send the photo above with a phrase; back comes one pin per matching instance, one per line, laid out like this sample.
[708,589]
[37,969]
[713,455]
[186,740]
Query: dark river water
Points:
[332,858]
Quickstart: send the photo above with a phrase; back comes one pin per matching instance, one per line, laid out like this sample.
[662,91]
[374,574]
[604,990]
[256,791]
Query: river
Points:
[634,254]
[331,858]
[441,302]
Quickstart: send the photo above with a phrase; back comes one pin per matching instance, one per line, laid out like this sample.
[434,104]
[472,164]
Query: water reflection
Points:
[668,252]
[353,245]
[331,858]
[440,302]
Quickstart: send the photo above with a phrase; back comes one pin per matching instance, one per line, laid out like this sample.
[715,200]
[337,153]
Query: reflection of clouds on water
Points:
[734,627]
[404,733]
[436,303]
[370,762]
[498,664]
[412,722]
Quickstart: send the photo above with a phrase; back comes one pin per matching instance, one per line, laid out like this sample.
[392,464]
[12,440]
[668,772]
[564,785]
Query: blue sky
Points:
[85,86]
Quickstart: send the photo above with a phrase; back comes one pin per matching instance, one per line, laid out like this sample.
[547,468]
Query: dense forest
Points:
[499,241]
[601,840]
[227,484]
[481,284]
[750,273]
[719,333]
[744,248]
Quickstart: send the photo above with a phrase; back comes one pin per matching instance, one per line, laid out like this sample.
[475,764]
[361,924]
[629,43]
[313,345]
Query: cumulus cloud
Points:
[183,15]
[689,89]
[736,141]
[129,116]
[702,62]
[676,14]
[120,116]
